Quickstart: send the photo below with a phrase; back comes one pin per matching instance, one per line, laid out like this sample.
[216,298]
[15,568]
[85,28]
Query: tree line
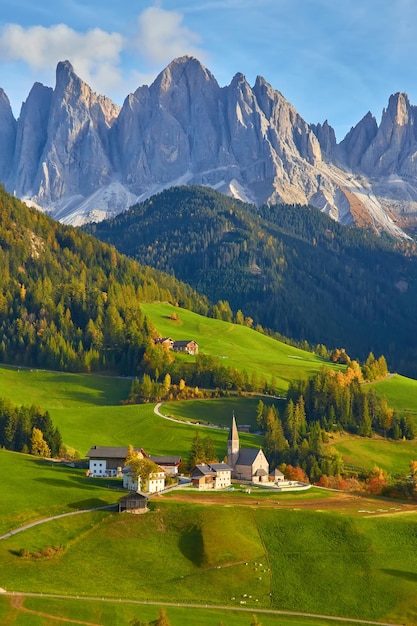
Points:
[328,402]
[29,430]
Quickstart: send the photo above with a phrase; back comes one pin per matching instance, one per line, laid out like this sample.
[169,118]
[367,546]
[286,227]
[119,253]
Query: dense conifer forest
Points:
[291,268]
[71,303]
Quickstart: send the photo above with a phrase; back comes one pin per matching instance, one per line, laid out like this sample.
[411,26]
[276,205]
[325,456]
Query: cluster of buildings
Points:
[243,464]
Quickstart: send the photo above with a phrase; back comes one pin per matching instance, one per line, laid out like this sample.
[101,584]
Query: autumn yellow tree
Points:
[38,445]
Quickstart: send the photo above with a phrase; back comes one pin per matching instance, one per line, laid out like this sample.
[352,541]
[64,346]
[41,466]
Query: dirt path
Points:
[17,603]
[341,502]
[49,519]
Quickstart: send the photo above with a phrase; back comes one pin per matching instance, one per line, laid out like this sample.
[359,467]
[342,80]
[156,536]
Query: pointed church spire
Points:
[233,432]
[233,444]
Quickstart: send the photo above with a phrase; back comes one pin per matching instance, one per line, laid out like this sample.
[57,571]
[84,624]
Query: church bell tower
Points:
[233,444]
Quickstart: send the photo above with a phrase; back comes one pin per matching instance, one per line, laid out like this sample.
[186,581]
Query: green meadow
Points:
[401,392]
[294,560]
[88,412]
[240,347]
[219,411]
[393,456]
[35,488]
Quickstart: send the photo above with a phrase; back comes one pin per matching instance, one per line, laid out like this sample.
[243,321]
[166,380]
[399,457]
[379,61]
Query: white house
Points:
[154,483]
[108,460]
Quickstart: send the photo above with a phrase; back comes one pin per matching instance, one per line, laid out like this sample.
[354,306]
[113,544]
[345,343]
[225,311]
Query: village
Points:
[244,465]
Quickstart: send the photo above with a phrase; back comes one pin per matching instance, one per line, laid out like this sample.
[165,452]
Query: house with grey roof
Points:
[211,476]
[169,464]
[248,464]
[186,345]
[107,461]
[133,502]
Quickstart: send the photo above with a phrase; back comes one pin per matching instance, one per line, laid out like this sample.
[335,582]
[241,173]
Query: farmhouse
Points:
[183,345]
[108,460]
[166,342]
[154,483]
[211,476]
[187,345]
[247,463]
[105,461]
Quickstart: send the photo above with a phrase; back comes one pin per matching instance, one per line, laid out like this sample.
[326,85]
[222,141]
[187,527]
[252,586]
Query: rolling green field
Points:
[393,456]
[315,557]
[36,488]
[219,410]
[240,347]
[300,560]
[88,412]
[401,392]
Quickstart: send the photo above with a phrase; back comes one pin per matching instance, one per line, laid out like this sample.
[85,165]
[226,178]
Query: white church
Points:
[247,463]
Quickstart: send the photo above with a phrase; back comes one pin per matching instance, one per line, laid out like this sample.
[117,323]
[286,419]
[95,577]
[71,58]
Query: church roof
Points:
[247,456]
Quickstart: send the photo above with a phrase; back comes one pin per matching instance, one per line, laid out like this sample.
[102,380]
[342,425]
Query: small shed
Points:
[277,476]
[134,502]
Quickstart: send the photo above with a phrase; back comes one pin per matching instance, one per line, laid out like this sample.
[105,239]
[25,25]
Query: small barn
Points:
[134,502]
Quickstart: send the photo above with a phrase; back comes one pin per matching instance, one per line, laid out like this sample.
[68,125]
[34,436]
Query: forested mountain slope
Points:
[291,268]
[70,302]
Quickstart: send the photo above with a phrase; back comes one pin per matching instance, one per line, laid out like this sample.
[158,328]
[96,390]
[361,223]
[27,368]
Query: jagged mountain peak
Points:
[398,110]
[74,148]
[182,70]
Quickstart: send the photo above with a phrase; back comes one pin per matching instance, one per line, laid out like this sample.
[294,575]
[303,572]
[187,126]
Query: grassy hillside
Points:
[401,392]
[393,456]
[303,560]
[87,411]
[36,488]
[239,346]
[219,411]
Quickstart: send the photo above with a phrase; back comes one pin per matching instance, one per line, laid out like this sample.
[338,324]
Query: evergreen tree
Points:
[197,454]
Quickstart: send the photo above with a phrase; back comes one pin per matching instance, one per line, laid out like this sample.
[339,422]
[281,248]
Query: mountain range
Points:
[82,158]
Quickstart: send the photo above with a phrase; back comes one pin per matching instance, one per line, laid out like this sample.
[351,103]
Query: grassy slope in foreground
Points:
[240,347]
[34,488]
[309,561]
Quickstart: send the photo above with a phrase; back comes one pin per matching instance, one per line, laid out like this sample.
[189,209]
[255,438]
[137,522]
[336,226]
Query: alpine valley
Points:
[217,218]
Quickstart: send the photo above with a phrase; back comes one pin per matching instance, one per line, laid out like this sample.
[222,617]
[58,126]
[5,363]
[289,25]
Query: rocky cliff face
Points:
[80,156]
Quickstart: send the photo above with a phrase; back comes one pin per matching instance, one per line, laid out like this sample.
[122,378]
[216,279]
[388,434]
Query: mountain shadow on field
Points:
[191,544]
[410,576]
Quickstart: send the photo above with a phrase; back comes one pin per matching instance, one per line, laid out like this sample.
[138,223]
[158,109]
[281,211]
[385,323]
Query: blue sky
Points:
[332,59]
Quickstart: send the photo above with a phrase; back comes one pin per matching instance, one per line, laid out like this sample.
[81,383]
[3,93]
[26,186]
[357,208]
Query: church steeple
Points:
[233,444]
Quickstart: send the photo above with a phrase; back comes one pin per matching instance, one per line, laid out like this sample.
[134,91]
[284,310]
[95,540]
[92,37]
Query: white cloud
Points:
[110,62]
[162,36]
[95,54]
